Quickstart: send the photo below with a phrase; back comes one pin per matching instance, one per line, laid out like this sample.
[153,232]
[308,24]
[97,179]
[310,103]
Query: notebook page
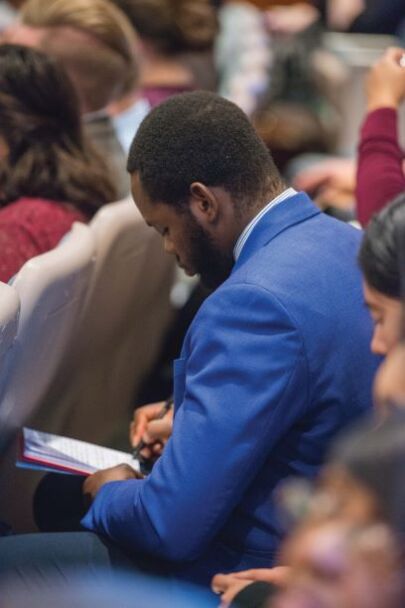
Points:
[66,451]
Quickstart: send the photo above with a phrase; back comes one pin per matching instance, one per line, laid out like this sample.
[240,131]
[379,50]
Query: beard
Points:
[212,265]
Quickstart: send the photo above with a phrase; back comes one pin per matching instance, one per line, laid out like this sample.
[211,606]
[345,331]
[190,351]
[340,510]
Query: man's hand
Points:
[385,86]
[148,426]
[229,585]
[94,482]
[276,576]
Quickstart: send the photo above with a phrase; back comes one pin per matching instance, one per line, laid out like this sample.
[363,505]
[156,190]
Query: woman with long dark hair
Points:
[381,260]
[49,174]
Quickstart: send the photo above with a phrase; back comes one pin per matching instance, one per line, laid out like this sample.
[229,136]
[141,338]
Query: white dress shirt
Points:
[240,243]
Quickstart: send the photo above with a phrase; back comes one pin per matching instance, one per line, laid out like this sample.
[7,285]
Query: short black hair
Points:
[201,137]
[381,255]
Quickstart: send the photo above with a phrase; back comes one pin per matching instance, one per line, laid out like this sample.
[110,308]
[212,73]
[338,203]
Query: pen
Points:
[136,452]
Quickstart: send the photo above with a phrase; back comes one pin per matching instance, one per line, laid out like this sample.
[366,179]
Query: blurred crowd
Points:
[323,85]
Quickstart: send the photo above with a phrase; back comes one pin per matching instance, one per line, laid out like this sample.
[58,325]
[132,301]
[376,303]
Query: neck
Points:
[252,219]
[268,195]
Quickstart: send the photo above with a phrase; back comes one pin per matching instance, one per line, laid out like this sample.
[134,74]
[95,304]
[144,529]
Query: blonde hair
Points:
[72,30]
[173,26]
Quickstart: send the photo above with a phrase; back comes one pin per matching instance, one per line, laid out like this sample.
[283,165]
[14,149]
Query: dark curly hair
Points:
[47,154]
[201,137]
[382,252]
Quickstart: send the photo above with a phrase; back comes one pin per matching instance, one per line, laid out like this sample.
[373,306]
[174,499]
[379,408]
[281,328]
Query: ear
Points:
[204,204]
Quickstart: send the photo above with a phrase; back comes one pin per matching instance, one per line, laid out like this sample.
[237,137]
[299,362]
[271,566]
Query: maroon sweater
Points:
[380,176]
[31,226]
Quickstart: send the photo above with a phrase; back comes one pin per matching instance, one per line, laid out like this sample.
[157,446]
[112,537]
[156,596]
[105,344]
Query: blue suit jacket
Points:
[276,361]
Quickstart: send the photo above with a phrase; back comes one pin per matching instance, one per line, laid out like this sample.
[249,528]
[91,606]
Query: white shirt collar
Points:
[240,243]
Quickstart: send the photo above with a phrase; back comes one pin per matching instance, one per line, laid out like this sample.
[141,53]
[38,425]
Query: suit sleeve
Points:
[245,385]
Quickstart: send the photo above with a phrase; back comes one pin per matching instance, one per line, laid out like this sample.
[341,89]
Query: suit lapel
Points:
[294,210]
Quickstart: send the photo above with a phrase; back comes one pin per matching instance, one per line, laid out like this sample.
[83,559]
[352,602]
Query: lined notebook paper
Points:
[48,452]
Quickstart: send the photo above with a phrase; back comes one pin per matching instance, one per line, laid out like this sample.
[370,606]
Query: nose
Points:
[378,345]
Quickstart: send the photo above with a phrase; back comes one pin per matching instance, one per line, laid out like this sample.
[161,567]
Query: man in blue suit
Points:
[275,363]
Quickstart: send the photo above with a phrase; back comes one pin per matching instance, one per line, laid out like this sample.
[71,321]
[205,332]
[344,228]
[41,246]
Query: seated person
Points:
[243,54]
[356,16]
[380,173]
[176,42]
[338,563]
[49,175]
[94,42]
[365,16]
[348,548]
[275,363]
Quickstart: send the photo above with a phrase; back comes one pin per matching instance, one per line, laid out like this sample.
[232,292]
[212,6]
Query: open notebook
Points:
[43,451]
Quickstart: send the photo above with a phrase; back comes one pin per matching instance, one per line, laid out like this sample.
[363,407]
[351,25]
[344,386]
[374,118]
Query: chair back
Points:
[51,288]
[123,321]
[9,315]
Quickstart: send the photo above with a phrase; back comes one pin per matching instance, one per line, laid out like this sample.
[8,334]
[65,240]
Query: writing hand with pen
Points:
[150,429]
